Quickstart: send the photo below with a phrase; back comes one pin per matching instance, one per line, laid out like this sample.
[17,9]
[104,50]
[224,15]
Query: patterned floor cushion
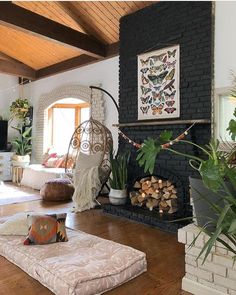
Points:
[86,264]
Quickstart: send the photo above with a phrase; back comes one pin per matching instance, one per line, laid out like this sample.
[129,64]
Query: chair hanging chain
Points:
[91,103]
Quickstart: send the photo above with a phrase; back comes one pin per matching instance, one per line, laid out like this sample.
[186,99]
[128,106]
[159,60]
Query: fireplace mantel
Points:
[163,122]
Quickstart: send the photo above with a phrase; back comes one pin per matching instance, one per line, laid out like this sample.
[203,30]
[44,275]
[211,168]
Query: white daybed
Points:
[36,175]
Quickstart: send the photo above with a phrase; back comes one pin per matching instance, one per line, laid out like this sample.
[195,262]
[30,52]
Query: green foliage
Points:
[217,173]
[19,108]
[150,149]
[119,170]
[22,144]
[225,224]
[232,125]
[211,166]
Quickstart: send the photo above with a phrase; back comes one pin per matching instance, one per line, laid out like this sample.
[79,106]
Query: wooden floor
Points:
[165,256]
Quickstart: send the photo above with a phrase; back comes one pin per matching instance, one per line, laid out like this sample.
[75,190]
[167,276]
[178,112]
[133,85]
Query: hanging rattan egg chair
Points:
[90,137]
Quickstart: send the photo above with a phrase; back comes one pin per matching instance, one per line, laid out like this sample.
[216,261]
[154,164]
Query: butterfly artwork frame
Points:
[158,79]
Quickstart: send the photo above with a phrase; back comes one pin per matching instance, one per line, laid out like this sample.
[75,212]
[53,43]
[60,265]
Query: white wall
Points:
[9,91]
[225,42]
[225,62]
[105,73]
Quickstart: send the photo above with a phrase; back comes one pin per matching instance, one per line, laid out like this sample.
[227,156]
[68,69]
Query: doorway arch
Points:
[73,91]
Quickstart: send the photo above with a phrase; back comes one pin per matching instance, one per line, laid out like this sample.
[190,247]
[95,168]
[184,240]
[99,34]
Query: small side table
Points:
[17,173]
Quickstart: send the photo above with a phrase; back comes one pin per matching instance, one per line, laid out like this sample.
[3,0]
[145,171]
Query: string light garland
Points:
[178,138]
[130,141]
[163,146]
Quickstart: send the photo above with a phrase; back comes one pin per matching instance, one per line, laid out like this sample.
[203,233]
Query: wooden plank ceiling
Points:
[50,37]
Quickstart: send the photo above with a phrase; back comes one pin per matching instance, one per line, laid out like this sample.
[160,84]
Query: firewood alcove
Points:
[153,209]
[154,192]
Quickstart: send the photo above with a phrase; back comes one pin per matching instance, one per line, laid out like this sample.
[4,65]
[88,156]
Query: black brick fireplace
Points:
[190,25]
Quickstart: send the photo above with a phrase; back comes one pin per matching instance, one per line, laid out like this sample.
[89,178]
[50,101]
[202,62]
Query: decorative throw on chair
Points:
[87,186]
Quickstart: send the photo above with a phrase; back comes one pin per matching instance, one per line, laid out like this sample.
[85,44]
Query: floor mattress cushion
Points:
[84,265]
[36,175]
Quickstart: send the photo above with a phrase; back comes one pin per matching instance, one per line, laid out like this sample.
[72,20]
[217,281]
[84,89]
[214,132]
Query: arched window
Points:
[63,117]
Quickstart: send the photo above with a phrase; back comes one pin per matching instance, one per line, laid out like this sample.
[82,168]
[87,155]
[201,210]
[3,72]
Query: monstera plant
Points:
[218,175]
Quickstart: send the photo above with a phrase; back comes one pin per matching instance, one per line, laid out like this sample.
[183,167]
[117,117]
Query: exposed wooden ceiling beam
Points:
[79,17]
[76,62]
[113,49]
[14,16]
[69,64]
[7,57]
[17,69]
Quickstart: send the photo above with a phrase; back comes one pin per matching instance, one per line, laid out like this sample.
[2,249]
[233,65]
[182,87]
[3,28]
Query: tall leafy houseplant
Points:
[22,146]
[118,178]
[217,173]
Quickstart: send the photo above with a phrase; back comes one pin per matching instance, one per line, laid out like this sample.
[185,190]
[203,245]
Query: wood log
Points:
[146,185]
[144,179]
[133,194]
[151,203]
[154,179]
[141,199]
[173,196]
[155,196]
[137,184]
[172,206]
[172,203]
[166,195]
[150,191]
[153,192]
[170,188]
[168,183]
[163,204]
[134,201]
[155,185]
[172,210]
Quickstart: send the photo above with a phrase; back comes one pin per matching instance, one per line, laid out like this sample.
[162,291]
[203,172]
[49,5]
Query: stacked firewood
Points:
[155,192]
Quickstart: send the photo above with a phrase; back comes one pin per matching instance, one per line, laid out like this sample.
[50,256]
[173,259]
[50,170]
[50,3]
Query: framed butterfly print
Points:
[158,84]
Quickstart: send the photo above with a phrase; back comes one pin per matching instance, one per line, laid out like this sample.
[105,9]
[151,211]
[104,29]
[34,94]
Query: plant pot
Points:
[117,197]
[203,210]
[20,161]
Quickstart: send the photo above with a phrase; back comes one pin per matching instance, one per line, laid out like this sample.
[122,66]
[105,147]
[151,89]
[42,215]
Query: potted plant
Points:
[118,179]
[218,176]
[19,108]
[22,146]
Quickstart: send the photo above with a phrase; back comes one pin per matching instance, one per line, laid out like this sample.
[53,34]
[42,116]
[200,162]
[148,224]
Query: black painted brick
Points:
[190,25]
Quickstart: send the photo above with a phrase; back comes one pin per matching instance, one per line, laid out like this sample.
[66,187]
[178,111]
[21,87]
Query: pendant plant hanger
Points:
[20,107]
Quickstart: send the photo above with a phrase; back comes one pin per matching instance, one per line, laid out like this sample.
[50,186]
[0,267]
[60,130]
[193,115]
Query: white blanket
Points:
[87,186]
[36,175]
